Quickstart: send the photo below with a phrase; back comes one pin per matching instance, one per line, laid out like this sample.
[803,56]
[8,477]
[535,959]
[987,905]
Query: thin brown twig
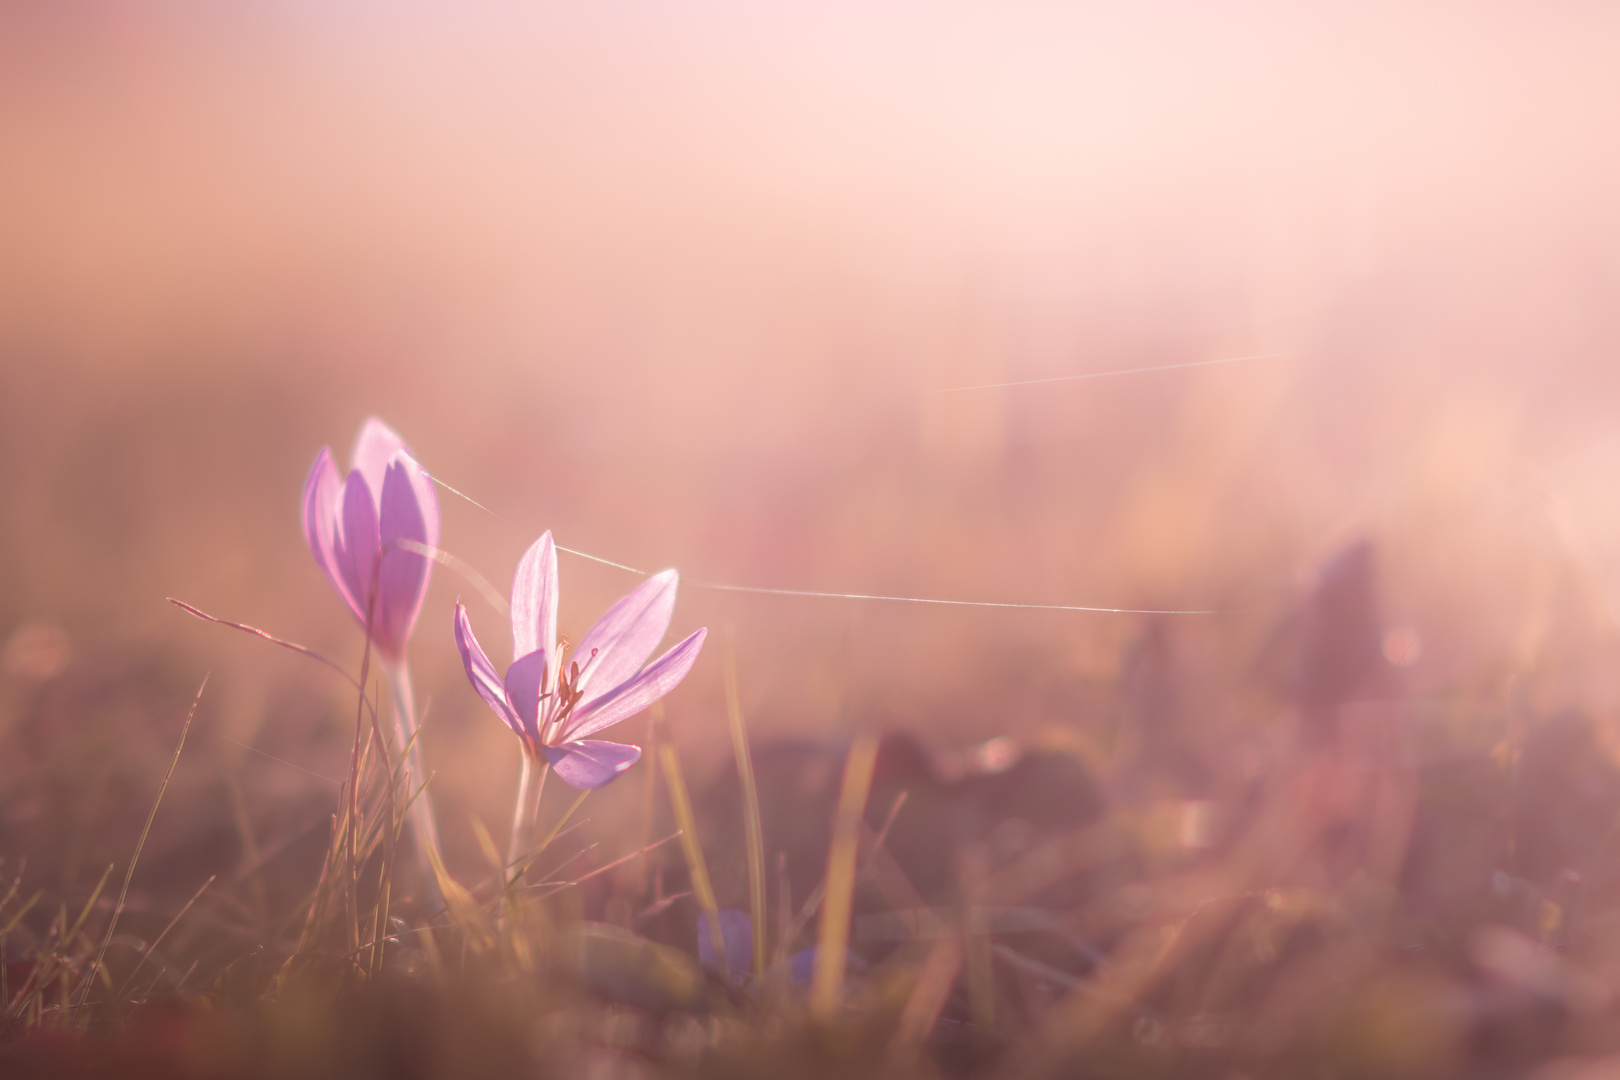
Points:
[302,650]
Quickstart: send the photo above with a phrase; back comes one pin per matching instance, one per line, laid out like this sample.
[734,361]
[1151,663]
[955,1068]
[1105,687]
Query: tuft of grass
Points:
[1106,945]
[123,894]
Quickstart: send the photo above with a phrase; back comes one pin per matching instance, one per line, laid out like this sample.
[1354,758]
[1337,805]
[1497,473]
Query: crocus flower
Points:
[351,523]
[553,705]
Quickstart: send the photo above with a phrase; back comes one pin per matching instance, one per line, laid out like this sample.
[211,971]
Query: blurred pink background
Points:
[675,283]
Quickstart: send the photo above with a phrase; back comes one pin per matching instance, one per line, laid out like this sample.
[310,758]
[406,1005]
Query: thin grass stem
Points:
[926,1001]
[146,953]
[123,894]
[702,890]
[754,831]
[832,938]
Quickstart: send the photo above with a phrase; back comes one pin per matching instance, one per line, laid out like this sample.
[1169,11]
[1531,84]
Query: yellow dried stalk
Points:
[753,829]
[832,938]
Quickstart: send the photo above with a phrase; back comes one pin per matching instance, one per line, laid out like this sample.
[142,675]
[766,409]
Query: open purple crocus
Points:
[353,522]
[553,706]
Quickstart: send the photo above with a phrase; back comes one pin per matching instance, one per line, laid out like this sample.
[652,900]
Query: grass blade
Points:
[753,829]
[702,890]
[927,999]
[832,938]
[150,949]
[95,895]
[123,894]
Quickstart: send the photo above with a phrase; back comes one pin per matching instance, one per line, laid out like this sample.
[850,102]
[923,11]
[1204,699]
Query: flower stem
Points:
[421,812]
[526,811]
[521,819]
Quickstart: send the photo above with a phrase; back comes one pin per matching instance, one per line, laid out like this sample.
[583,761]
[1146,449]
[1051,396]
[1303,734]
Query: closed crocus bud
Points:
[1341,631]
[355,526]
[736,934]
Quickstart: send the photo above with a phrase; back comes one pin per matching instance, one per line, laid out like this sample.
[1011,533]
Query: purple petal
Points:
[354,550]
[534,600]
[481,673]
[524,681]
[660,677]
[427,499]
[402,579]
[626,636]
[590,764]
[802,965]
[373,447]
[321,495]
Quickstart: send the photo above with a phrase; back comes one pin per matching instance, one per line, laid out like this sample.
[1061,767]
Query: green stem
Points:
[522,820]
[532,826]
[421,811]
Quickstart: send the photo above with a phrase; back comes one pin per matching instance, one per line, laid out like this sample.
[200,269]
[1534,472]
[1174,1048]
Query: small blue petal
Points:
[736,932]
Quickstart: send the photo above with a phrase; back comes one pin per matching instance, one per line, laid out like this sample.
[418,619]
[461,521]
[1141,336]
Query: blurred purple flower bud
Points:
[737,933]
[802,966]
[553,706]
[352,523]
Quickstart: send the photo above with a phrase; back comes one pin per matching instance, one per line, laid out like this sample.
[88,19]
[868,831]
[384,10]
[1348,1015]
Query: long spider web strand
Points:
[698,583]
[1116,371]
[758,590]
[949,603]
[604,562]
